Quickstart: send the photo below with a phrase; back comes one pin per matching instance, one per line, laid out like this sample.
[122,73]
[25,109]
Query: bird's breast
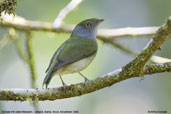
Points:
[76,66]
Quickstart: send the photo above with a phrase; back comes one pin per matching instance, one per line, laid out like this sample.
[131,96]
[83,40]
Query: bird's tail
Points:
[47,79]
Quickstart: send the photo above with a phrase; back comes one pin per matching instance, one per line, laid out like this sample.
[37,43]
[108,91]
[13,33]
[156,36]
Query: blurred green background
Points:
[128,97]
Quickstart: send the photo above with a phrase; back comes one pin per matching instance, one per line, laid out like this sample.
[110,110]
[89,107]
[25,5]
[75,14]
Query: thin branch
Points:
[63,13]
[14,36]
[21,24]
[21,50]
[127,32]
[22,54]
[4,41]
[153,59]
[76,89]
[31,59]
[156,68]
[126,49]
[157,59]
[119,46]
[135,68]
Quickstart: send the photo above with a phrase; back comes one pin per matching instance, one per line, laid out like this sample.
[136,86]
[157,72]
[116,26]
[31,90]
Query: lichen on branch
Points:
[76,89]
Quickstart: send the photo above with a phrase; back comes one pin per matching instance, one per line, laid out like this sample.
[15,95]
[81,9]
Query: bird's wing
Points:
[54,57]
[74,49]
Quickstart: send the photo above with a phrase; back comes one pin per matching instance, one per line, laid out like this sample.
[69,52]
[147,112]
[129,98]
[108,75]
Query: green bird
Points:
[76,53]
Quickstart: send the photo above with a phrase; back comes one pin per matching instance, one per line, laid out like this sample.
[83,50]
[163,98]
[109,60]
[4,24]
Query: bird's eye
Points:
[88,24]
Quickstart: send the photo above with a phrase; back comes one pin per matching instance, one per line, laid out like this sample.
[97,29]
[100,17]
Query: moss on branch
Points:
[136,66]
[76,89]
[8,6]
[31,61]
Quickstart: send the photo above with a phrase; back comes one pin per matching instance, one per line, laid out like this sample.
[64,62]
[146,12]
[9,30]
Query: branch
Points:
[126,49]
[127,32]
[76,89]
[157,59]
[30,59]
[133,69]
[14,36]
[136,66]
[62,14]
[157,68]
[31,62]
[21,24]
[4,41]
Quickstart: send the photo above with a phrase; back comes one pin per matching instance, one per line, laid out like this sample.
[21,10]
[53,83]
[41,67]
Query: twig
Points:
[121,47]
[4,41]
[31,59]
[126,49]
[76,89]
[63,13]
[153,68]
[127,32]
[14,36]
[157,59]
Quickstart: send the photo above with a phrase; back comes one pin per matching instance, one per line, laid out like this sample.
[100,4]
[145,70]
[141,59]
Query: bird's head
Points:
[87,28]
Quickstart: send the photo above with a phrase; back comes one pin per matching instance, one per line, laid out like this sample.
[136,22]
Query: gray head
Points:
[87,28]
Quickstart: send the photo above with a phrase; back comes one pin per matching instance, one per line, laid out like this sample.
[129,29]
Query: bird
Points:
[76,53]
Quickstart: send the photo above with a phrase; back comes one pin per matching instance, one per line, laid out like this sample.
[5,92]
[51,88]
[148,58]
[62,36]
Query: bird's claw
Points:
[86,80]
[64,86]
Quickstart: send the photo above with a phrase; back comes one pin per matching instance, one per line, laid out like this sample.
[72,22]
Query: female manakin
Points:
[76,53]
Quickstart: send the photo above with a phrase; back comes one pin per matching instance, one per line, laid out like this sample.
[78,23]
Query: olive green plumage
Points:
[76,53]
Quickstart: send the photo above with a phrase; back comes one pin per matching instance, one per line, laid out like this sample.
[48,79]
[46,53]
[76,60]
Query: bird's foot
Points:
[46,86]
[64,85]
[86,80]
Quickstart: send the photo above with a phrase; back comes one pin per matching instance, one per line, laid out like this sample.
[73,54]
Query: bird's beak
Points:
[99,21]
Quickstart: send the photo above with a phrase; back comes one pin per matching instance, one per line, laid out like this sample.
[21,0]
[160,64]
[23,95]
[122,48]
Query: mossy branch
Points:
[31,61]
[77,89]
[28,55]
[4,41]
[14,36]
[135,68]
